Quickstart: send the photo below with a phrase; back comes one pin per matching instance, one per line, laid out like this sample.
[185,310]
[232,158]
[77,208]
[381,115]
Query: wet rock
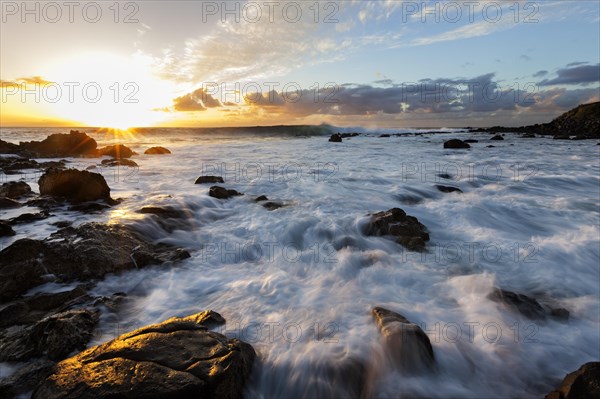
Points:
[8,148]
[157,151]
[490,146]
[528,136]
[25,379]
[61,224]
[408,346]
[562,137]
[497,137]
[30,217]
[117,151]
[445,176]
[448,189]
[62,145]
[526,305]
[6,230]
[165,212]
[471,141]
[89,207]
[384,135]
[407,230]
[15,189]
[209,179]
[6,203]
[222,193]
[87,252]
[74,185]
[55,336]
[119,162]
[261,198]
[581,384]
[271,206]
[455,143]
[335,138]
[44,202]
[178,358]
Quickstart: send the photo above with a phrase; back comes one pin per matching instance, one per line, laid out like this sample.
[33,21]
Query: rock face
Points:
[117,151]
[222,193]
[408,346]
[74,185]
[527,306]
[209,179]
[178,358]
[86,252]
[62,145]
[581,384]
[335,138]
[455,143]
[15,189]
[407,230]
[497,137]
[157,151]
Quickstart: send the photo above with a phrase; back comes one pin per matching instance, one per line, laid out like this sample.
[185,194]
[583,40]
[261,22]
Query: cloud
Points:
[198,100]
[575,75]
[21,82]
[539,74]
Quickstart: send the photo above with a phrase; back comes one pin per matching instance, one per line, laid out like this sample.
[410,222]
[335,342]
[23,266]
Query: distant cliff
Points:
[581,122]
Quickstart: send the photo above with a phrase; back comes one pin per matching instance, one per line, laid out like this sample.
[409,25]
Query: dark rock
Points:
[119,162]
[166,212]
[6,203]
[455,143]
[9,148]
[525,305]
[62,224]
[445,176]
[87,252]
[25,379]
[408,346]
[157,151]
[261,198]
[178,358]
[15,189]
[407,230]
[335,138]
[209,179]
[562,137]
[490,146]
[30,217]
[448,189]
[6,230]
[471,141]
[272,205]
[117,151]
[497,137]
[74,185]
[55,336]
[222,193]
[44,202]
[89,207]
[581,384]
[528,136]
[62,145]
[384,135]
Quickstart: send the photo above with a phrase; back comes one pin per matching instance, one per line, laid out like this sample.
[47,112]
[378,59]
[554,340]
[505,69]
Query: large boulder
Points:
[116,151]
[89,251]
[406,343]
[157,151]
[455,143]
[179,358]
[63,145]
[222,193]
[209,180]
[74,185]
[407,230]
[15,189]
[581,384]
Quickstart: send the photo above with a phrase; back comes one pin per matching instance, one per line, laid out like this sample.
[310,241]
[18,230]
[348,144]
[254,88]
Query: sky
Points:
[388,64]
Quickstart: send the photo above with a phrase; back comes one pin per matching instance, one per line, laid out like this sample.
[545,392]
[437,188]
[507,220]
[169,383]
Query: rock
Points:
[525,305]
[384,135]
[157,151]
[89,251]
[55,336]
[408,346]
[490,146]
[407,230]
[497,137]
[89,207]
[25,379]
[222,193]
[209,179]
[448,189]
[6,203]
[62,145]
[471,141]
[562,137]
[445,176]
[528,136]
[455,143]
[178,358]
[119,162]
[6,230]
[261,198]
[581,384]
[117,151]
[271,206]
[166,212]
[29,217]
[9,148]
[15,189]
[74,185]
[335,138]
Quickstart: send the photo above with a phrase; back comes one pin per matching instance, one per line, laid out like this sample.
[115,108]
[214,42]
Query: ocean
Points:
[299,282]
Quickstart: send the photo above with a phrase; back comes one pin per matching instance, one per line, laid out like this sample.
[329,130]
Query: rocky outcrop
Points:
[456,144]
[157,151]
[15,189]
[497,138]
[407,345]
[117,151]
[62,145]
[526,305]
[89,251]
[209,179]
[581,384]
[178,358]
[335,138]
[406,230]
[222,193]
[74,185]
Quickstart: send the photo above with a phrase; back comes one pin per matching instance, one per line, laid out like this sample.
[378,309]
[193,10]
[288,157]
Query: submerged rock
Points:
[455,143]
[87,252]
[271,206]
[581,384]
[166,212]
[74,185]
[157,151]
[222,193]
[117,151]
[448,189]
[261,198]
[408,346]
[178,358]
[527,306]
[407,230]
[15,189]
[209,179]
